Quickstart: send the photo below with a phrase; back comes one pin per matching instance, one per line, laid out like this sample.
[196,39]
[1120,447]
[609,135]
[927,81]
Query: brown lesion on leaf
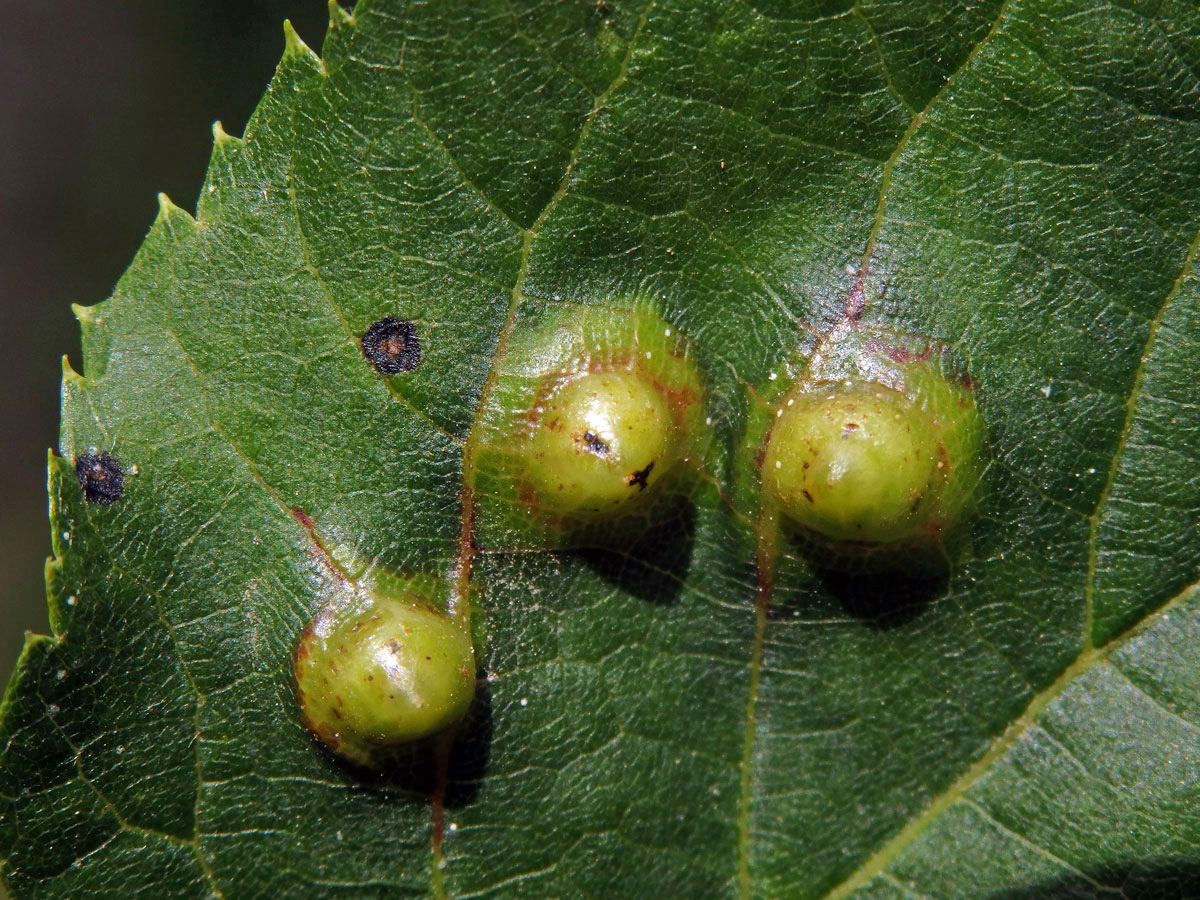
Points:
[101,478]
[392,346]
[640,478]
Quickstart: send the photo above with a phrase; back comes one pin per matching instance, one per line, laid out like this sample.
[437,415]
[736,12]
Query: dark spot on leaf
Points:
[392,346]
[101,478]
[639,478]
[603,9]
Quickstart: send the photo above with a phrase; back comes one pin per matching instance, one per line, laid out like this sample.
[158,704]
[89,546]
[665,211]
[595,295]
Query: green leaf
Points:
[1017,178]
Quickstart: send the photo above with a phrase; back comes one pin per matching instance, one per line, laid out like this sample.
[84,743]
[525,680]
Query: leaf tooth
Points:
[294,46]
[220,179]
[222,138]
[339,16]
[296,67]
[169,212]
[70,376]
[89,319]
[172,224]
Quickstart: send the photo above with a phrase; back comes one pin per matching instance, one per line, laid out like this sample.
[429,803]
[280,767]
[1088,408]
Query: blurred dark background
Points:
[102,105]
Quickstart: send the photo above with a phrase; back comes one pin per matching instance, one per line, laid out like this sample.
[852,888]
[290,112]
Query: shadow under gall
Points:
[1129,880]
[413,772]
[654,562]
[471,750]
[883,599]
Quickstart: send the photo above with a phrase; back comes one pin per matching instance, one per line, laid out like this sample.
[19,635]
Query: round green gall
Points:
[854,463]
[381,673]
[875,455]
[597,414]
[599,442]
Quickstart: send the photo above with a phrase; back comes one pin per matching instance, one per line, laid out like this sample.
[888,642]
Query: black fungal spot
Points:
[594,444]
[639,478]
[392,346]
[101,478]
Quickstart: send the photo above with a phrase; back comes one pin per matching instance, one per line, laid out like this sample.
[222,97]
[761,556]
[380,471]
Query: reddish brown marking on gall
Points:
[807,495]
[640,478]
[326,734]
[943,461]
[679,399]
[526,495]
